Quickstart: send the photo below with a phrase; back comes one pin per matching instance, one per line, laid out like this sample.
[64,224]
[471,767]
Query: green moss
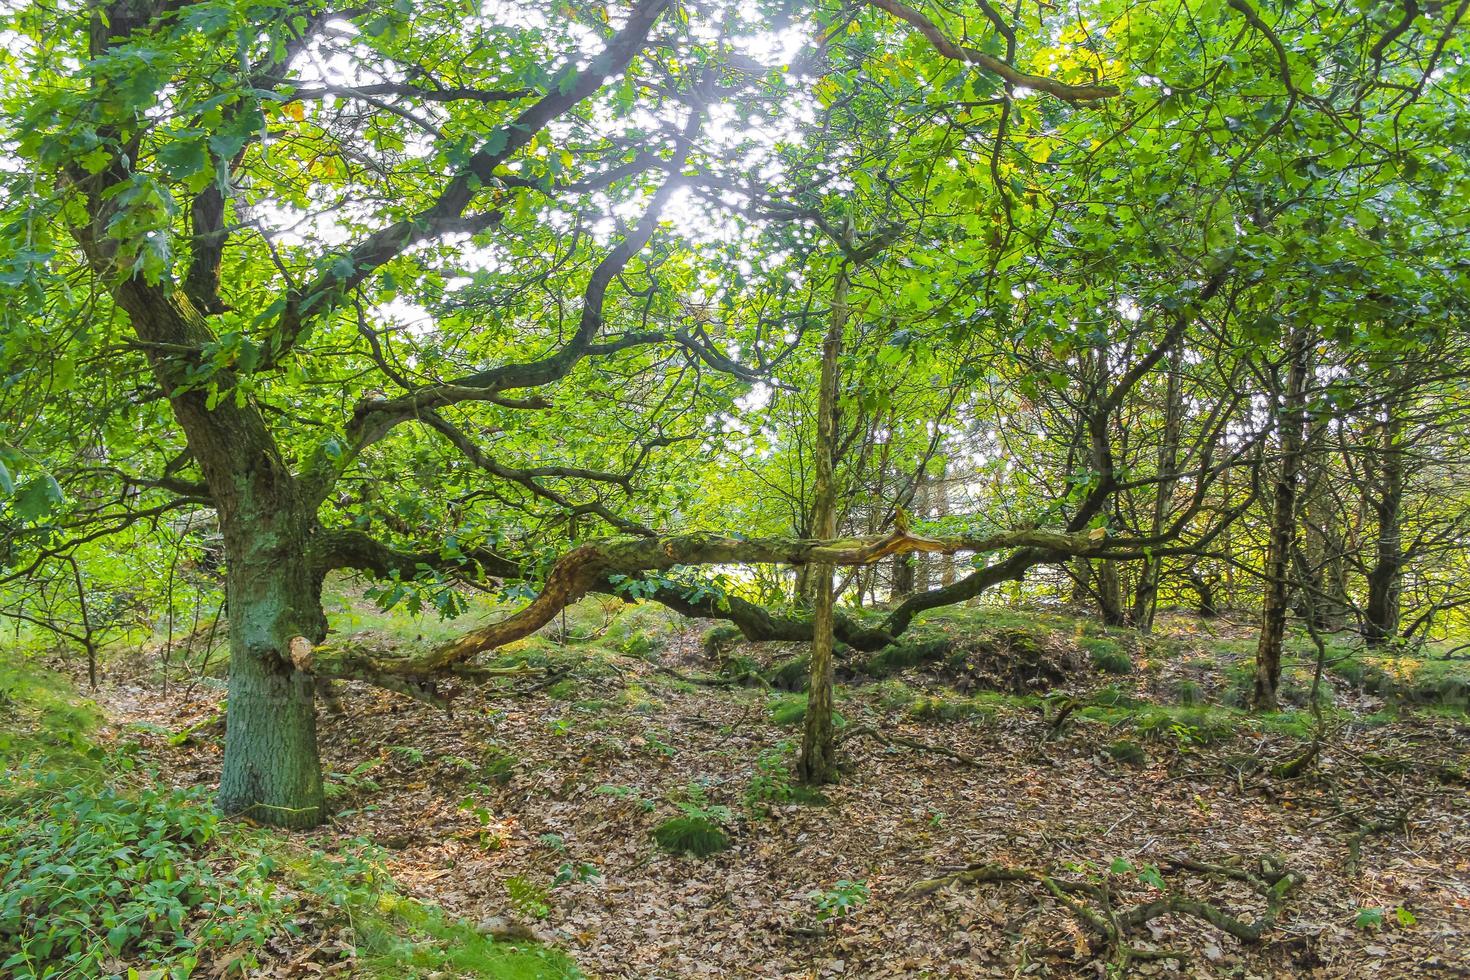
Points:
[563,690]
[1297,724]
[1114,696]
[1188,693]
[1127,752]
[720,639]
[691,835]
[791,675]
[948,709]
[904,654]
[894,695]
[790,709]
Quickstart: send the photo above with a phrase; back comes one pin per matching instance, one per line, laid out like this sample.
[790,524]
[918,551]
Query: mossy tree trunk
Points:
[271,770]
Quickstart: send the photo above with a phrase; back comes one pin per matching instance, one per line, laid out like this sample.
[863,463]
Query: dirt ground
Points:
[599,761]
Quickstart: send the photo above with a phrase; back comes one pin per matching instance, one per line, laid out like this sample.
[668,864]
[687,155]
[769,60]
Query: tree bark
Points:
[271,770]
[1283,526]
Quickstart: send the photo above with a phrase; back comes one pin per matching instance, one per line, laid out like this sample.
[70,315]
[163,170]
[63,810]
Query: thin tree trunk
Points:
[923,564]
[939,498]
[1146,597]
[1283,526]
[818,762]
[1385,578]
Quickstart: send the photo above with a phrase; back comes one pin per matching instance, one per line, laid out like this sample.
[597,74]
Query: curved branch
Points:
[1012,74]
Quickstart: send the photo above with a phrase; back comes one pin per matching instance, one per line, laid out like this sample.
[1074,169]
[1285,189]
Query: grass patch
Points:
[1107,655]
[1189,694]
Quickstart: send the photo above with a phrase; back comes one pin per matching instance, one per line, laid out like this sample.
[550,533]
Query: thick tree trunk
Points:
[1283,527]
[271,771]
[1385,578]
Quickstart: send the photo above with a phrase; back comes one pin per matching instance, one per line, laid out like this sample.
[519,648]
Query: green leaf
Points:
[38,497]
[1369,918]
[184,158]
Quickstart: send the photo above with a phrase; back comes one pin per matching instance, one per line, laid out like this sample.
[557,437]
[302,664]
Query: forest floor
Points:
[530,809]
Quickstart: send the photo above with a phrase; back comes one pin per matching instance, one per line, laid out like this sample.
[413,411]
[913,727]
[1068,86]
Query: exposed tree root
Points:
[1092,902]
[908,743]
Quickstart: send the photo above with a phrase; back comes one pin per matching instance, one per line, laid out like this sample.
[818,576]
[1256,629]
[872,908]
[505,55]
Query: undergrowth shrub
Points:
[94,878]
[772,783]
[498,766]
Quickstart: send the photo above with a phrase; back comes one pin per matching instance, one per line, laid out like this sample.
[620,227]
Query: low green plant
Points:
[1107,655]
[563,690]
[407,754]
[841,900]
[772,783]
[700,831]
[527,897]
[498,766]
[570,871]
[355,780]
[693,800]
[1189,694]
[625,793]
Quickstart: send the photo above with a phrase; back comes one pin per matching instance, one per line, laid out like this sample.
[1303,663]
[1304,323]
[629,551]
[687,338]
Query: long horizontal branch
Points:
[586,569]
